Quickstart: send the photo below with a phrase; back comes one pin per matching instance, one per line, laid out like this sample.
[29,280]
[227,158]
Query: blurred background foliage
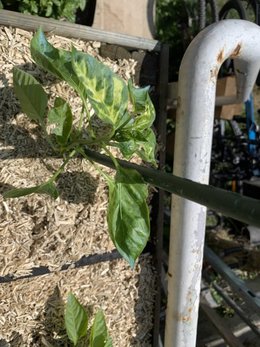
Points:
[57,9]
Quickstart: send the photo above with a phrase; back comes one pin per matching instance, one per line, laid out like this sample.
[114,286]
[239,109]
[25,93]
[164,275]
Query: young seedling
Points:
[76,324]
[122,118]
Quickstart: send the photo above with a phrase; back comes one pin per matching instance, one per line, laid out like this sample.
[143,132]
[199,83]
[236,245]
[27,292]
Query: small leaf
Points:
[146,149]
[61,117]
[31,95]
[76,320]
[128,213]
[99,336]
[143,107]
[46,188]
[106,91]
[136,142]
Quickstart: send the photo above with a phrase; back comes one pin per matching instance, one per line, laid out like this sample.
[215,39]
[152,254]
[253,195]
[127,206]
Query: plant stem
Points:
[81,118]
[110,155]
[102,173]
[61,168]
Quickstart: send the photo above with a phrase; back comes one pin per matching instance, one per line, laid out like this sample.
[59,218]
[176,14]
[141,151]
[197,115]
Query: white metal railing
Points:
[240,40]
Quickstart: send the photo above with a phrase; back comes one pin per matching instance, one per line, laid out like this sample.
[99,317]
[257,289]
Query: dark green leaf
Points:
[107,93]
[56,61]
[128,213]
[128,148]
[99,335]
[137,142]
[61,117]
[46,188]
[31,95]
[146,149]
[76,320]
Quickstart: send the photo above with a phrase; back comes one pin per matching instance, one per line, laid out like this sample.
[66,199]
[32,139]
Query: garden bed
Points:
[37,231]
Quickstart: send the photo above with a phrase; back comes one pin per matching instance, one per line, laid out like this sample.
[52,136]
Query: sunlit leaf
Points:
[99,335]
[46,188]
[107,92]
[56,61]
[76,319]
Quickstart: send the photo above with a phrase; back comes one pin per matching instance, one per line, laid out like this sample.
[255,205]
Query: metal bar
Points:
[235,282]
[230,204]
[158,200]
[227,335]
[227,100]
[194,126]
[62,28]
[233,305]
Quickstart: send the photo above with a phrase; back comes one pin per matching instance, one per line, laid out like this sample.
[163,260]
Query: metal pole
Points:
[195,113]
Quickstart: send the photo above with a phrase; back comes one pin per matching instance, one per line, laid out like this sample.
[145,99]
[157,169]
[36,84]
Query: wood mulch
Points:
[39,231]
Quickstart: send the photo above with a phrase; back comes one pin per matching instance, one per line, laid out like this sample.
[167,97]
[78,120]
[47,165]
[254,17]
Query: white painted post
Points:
[195,114]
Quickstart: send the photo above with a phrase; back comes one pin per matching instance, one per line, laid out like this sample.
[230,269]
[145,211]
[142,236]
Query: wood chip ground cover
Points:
[38,231]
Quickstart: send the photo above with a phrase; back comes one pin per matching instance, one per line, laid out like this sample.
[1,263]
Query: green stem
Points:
[62,167]
[102,173]
[110,155]
[81,118]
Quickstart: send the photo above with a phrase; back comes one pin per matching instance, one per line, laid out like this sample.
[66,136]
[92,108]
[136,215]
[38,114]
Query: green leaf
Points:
[61,117]
[31,95]
[99,335]
[82,4]
[56,61]
[143,144]
[49,10]
[146,149]
[107,92]
[76,320]
[143,107]
[136,136]
[128,213]
[46,188]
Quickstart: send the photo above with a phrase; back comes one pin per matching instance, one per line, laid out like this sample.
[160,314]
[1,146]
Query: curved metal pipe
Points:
[240,40]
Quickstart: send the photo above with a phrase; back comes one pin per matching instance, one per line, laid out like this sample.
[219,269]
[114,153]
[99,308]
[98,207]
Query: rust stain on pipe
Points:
[220,56]
[187,317]
[236,51]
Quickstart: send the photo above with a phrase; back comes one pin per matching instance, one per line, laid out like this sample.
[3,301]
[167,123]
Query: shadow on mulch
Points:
[52,322]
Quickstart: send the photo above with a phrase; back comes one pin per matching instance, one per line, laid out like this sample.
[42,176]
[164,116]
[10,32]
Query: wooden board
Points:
[29,22]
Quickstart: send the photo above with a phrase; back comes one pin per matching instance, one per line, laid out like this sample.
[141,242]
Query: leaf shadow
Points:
[77,187]
[16,340]
[143,310]
[53,330]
